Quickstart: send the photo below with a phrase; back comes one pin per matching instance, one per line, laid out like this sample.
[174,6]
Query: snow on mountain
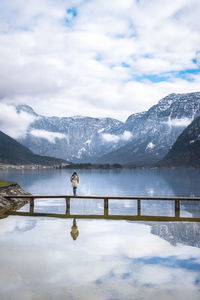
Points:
[75,138]
[155,131]
[186,150]
[143,139]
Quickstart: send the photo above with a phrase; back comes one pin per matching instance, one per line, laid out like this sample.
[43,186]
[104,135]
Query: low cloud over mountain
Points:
[143,139]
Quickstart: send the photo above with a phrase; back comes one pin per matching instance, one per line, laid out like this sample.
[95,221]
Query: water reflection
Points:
[175,227]
[110,260]
[183,182]
[74,232]
[109,182]
[81,250]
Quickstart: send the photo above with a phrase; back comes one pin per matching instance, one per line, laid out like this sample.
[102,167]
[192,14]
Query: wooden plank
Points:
[108,217]
[67,199]
[138,207]
[103,197]
[106,206]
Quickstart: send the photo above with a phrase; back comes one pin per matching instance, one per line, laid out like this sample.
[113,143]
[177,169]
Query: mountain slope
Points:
[72,138]
[155,131]
[144,139]
[14,153]
[186,149]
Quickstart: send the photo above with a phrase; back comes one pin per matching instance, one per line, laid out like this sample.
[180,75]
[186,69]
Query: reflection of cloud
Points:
[48,135]
[12,123]
[118,257]
[14,224]
[107,137]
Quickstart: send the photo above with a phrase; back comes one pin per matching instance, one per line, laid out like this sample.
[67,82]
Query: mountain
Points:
[144,139]
[155,131]
[13,152]
[186,150]
[76,138]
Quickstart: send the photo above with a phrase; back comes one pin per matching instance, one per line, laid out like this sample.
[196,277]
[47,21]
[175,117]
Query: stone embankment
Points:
[11,188]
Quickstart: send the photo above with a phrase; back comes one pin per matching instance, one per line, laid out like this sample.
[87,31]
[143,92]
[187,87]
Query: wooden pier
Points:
[106,215]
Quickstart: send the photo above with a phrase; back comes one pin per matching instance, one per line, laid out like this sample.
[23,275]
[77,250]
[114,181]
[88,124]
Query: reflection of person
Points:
[75,182]
[74,232]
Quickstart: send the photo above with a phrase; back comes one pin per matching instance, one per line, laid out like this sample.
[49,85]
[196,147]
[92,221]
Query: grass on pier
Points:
[3,182]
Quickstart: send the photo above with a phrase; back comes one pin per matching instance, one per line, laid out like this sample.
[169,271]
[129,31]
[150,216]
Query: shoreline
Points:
[95,167]
[11,188]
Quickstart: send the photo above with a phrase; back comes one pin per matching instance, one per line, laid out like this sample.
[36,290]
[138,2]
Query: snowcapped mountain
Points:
[186,149]
[72,138]
[155,131]
[143,139]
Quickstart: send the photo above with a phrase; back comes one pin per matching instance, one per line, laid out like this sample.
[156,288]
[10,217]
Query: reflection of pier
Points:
[106,215]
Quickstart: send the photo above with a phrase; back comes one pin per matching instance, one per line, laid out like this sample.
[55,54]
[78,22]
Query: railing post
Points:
[138,207]
[177,208]
[106,206]
[32,206]
[67,199]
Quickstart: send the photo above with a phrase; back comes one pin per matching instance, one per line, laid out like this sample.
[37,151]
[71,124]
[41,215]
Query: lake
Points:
[49,257]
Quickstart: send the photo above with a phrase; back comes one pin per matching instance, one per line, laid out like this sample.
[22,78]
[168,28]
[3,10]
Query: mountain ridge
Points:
[142,140]
[13,152]
[186,150]
[156,130]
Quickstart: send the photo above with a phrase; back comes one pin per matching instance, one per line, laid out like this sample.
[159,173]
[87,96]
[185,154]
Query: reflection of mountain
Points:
[174,233]
[183,182]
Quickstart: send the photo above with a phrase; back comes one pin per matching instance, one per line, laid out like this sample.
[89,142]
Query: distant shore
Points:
[90,166]
[28,167]
[69,166]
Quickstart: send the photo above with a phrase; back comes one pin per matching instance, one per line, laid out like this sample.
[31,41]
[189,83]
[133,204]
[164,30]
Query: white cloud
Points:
[12,123]
[126,135]
[107,137]
[183,122]
[101,61]
[48,135]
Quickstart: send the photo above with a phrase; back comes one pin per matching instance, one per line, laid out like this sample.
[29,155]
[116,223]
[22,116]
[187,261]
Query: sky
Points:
[97,58]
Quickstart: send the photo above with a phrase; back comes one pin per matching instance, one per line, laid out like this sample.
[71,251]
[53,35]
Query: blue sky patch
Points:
[125,65]
[184,74]
[71,14]
[72,11]
[98,57]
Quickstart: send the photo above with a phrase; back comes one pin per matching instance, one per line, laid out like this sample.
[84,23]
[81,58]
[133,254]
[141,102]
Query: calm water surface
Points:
[58,258]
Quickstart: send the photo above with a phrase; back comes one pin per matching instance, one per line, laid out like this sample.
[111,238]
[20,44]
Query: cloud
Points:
[184,122]
[97,58]
[12,123]
[48,135]
[107,137]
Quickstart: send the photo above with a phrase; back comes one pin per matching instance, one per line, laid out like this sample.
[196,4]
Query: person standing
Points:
[75,182]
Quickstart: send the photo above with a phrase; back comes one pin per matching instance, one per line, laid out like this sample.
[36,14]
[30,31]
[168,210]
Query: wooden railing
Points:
[106,215]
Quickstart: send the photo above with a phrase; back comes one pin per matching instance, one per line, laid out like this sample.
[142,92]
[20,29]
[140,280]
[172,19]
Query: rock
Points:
[11,188]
